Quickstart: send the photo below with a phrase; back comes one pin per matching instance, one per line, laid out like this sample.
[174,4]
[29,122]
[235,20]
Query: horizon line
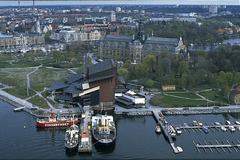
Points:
[120,2]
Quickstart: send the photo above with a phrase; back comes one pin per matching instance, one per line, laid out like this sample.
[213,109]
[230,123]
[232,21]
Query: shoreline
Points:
[18,102]
[40,112]
[32,109]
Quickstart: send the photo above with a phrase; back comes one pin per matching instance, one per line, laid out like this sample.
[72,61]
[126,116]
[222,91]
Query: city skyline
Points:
[125,2]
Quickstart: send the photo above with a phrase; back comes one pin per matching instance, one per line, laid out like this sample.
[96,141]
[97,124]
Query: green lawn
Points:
[45,77]
[215,96]
[186,94]
[20,92]
[39,101]
[167,101]
[17,78]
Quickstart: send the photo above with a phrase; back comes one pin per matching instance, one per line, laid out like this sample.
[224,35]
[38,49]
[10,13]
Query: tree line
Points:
[219,68]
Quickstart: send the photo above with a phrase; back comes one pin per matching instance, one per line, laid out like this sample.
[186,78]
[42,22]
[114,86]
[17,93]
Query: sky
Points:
[98,2]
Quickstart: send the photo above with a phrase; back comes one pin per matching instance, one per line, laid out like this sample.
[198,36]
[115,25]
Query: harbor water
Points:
[136,138]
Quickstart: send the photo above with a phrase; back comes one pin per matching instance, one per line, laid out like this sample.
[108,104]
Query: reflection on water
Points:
[235,115]
[104,149]
[71,153]
[51,130]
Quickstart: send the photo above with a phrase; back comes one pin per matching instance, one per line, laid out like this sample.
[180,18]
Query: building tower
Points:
[140,32]
[213,10]
[113,16]
[18,4]
[118,9]
[33,4]
[38,27]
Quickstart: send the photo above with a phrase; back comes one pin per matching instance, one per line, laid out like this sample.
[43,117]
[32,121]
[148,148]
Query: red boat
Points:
[54,121]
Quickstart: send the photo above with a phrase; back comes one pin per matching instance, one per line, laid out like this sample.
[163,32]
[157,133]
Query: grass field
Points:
[215,96]
[167,101]
[45,77]
[39,101]
[15,77]
[193,100]
[184,94]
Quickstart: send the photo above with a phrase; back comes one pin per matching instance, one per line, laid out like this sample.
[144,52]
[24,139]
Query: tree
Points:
[123,72]
[149,83]
[183,67]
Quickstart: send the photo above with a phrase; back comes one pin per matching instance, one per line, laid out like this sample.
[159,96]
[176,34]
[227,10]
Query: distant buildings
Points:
[118,9]
[235,94]
[95,89]
[136,47]
[168,87]
[232,42]
[14,40]
[213,9]
[182,17]
[113,16]
[67,34]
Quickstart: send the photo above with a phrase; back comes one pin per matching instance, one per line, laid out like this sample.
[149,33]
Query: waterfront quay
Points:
[177,111]
[201,110]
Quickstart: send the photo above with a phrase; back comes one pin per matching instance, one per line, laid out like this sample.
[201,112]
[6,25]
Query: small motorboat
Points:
[205,129]
[237,122]
[228,123]
[158,129]
[200,124]
[231,128]
[179,131]
[238,127]
[223,128]
[195,123]
[18,109]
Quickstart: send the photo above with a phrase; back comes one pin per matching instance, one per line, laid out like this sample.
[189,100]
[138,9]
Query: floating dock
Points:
[218,146]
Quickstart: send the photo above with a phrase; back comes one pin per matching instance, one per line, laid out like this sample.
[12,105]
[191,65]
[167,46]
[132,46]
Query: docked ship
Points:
[54,121]
[103,129]
[72,138]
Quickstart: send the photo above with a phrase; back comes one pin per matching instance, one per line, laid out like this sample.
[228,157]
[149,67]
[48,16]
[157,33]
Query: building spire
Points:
[140,33]
[18,4]
[33,4]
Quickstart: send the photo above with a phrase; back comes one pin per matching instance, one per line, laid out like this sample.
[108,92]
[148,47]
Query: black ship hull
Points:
[104,140]
[71,148]
[103,147]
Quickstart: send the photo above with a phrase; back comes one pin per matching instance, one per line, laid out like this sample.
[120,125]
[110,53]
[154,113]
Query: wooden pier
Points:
[160,120]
